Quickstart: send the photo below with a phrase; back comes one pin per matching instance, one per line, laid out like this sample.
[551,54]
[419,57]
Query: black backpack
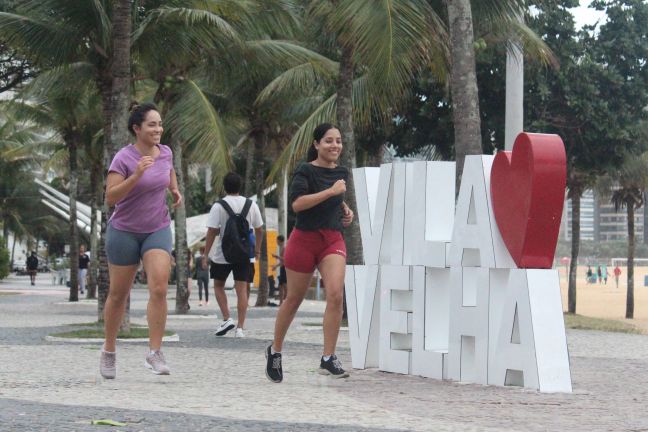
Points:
[235,238]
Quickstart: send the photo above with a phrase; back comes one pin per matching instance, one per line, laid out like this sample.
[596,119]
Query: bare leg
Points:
[221,298]
[121,280]
[241,288]
[296,287]
[332,269]
[157,264]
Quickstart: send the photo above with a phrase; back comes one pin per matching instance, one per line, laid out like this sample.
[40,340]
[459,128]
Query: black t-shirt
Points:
[84,260]
[32,263]
[310,179]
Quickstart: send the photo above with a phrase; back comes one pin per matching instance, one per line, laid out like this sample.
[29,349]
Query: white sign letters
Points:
[440,295]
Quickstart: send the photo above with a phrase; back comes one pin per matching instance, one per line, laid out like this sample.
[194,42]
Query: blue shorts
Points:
[126,248]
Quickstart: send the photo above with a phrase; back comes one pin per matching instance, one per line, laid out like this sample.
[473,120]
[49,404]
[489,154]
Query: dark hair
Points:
[138,114]
[318,134]
[232,183]
[281,238]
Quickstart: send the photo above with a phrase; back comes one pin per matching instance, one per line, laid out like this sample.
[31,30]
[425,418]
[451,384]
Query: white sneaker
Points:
[225,326]
[239,333]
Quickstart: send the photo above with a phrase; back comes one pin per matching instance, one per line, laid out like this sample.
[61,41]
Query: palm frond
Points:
[193,119]
[392,38]
[302,139]
[504,30]
[44,42]
[182,31]
[284,54]
[297,80]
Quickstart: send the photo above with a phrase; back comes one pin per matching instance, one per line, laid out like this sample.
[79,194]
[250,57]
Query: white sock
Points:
[326,358]
[151,352]
[273,352]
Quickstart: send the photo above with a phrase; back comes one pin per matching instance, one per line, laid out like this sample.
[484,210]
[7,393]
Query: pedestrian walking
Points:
[32,267]
[317,197]
[617,273]
[84,264]
[139,230]
[202,277]
[599,274]
[281,246]
[228,224]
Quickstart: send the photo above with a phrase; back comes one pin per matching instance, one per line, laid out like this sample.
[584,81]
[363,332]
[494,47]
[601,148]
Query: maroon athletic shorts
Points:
[306,249]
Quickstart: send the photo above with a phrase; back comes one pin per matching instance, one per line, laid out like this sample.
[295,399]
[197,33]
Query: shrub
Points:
[4,259]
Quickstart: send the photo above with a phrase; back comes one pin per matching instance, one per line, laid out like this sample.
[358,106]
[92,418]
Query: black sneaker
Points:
[273,365]
[332,367]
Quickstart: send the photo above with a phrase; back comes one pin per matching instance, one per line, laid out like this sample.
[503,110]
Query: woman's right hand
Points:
[144,163]
[339,187]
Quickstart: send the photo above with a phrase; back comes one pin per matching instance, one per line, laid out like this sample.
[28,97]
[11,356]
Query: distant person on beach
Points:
[617,273]
[589,274]
[604,272]
[599,273]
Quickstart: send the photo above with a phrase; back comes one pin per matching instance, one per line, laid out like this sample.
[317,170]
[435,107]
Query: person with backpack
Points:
[228,224]
[317,197]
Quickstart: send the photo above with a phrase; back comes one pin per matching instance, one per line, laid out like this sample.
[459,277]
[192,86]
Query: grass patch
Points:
[8,293]
[581,322]
[96,331]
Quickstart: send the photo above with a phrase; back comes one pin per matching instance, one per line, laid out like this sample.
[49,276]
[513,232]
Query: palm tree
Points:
[71,110]
[234,35]
[626,188]
[22,147]
[463,82]
[380,48]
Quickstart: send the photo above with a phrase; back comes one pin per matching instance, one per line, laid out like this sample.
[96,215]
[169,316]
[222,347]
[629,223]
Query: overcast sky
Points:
[584,15]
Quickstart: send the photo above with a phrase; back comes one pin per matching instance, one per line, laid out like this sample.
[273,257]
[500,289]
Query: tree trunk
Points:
[94,237]
[260,140]
[282,211]
[180,221]
[575,194]
[463,83]
[249,168]
[631,250]
[72,144]
[103,279]
[348,159]
[5,234]
[115,92]
[13,251]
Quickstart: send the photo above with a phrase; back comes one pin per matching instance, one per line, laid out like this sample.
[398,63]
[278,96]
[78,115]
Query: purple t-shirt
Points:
[144,209]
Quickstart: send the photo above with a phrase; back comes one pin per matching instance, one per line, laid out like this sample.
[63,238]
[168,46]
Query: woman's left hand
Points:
[347,218]
[177,197]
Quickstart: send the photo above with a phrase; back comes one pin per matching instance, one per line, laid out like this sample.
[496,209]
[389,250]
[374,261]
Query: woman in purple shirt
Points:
[139,230]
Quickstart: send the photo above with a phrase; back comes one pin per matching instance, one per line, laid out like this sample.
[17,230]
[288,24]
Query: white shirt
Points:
[218,218]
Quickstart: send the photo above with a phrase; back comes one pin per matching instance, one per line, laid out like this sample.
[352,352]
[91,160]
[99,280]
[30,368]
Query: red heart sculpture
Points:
[528,193]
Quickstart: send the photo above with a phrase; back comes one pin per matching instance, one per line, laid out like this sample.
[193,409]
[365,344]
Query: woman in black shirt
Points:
[317,197]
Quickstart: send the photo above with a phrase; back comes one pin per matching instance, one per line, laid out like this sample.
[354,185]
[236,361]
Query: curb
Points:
[172,338]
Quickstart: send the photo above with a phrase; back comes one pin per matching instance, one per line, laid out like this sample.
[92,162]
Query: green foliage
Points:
[596,100]
[4,259]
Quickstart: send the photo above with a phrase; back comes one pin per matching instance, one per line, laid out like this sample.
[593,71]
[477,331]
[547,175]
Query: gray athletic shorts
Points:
[125,248]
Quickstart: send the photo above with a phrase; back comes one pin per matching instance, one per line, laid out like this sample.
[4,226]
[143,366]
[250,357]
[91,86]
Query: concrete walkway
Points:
[219,383]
